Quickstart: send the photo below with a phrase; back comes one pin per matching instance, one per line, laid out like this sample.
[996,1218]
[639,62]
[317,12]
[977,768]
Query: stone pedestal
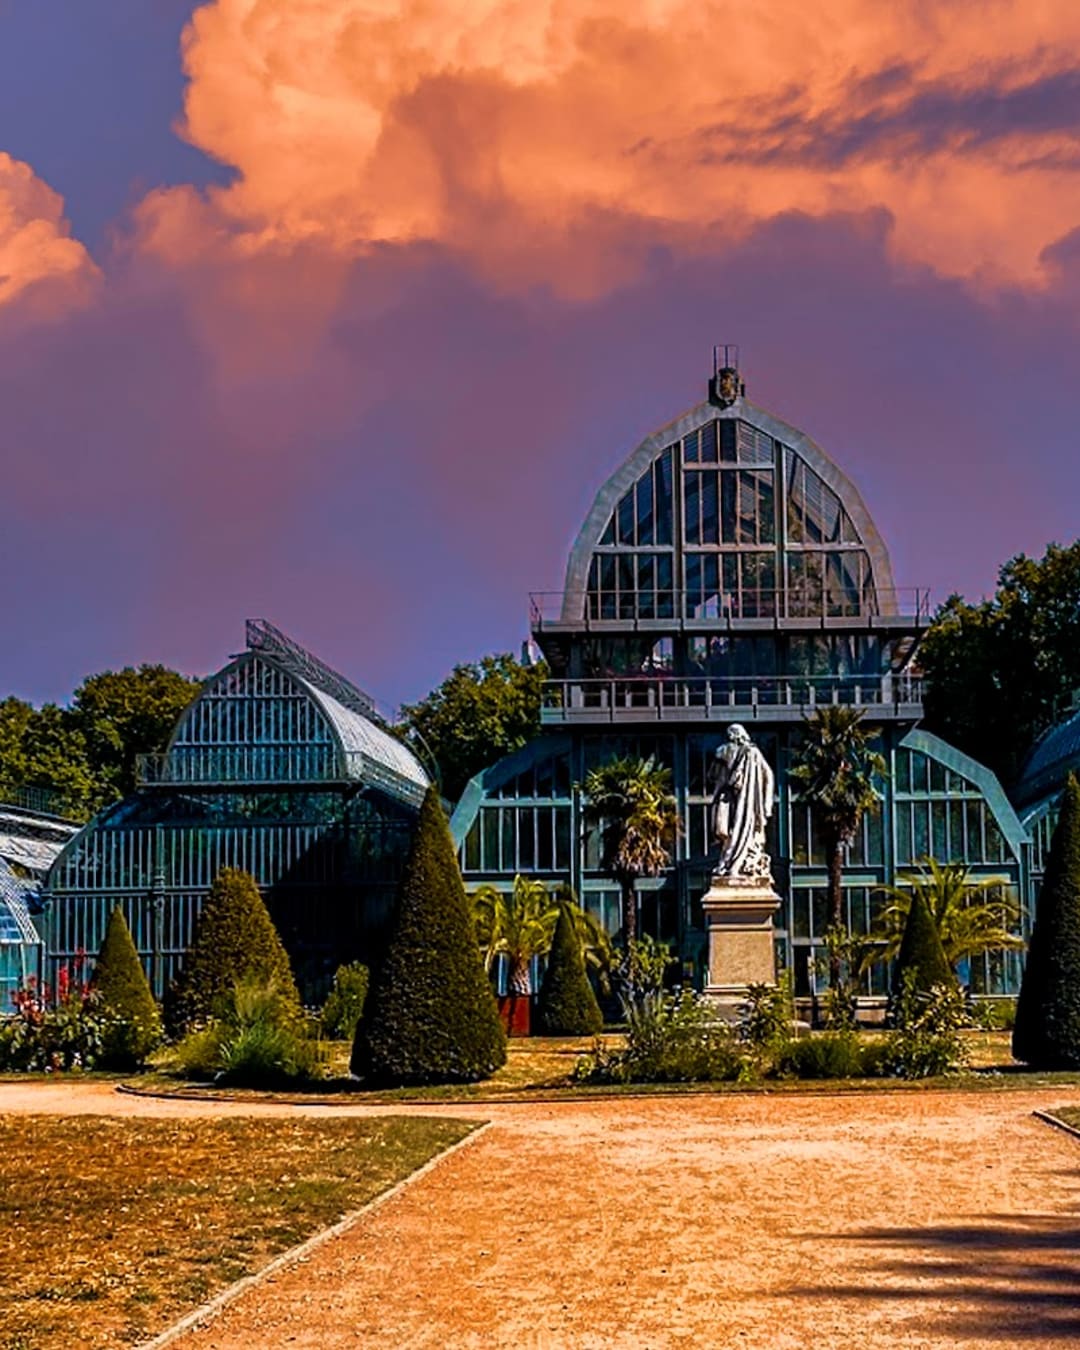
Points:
[738,914]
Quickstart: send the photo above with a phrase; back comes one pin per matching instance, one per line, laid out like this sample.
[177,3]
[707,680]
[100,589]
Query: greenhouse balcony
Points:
[903,610]
[672,698]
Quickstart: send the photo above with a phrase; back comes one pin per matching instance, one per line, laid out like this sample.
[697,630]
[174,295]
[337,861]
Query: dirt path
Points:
[914,1220]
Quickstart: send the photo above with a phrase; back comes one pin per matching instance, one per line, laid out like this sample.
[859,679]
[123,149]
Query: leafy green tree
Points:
[235,940]
[972,916]
[431,1014]
[126,713]
[1047,1030]
[15,717]
[836,773]
[132,1027]
[567,1005]
[630,802]
[1000,672]
[479,713]
[56,758]
[921,960]
[518,924]
[85,755]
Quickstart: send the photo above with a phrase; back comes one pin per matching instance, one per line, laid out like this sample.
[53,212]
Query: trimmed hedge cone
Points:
[132,1024]
[921,950]
[431,1015]
[235,941]
[1047,1030]
[567,1005]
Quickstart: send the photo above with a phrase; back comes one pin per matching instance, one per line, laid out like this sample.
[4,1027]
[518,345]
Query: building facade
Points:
[729,571]
[281,767]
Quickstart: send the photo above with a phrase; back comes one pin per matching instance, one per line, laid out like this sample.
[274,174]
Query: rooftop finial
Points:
[726,385]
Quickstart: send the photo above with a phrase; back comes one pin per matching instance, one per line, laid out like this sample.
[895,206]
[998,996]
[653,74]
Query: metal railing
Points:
[816,604]
[678,698]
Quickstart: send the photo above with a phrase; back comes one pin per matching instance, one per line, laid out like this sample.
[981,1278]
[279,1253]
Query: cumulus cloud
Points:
[42,268]
[557,141]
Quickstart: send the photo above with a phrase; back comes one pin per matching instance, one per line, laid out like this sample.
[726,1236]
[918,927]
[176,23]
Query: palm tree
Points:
[629,800]
[517,924]
[836,773]
[972,916]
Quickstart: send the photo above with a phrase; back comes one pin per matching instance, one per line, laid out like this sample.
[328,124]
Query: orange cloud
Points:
[42,268]
[554,140]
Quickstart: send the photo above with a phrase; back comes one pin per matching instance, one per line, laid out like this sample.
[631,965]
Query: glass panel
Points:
[710,516]
[729,506]
[692,508]
[626,519]
[645,509]
[708,443]
[663,498]
[691,448]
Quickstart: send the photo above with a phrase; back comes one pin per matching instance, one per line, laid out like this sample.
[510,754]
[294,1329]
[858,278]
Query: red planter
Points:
[516,1013]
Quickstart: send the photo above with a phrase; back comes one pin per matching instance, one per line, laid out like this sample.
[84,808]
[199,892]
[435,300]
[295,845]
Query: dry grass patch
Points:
[110,1229]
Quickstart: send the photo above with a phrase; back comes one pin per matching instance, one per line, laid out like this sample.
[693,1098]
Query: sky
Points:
[340,312]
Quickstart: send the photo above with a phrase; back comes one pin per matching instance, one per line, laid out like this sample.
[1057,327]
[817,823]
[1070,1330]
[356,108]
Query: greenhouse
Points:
[281,767]
[728,571]
[20,945]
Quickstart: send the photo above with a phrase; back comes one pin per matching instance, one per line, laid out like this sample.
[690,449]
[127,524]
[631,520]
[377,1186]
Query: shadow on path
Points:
[1009,1278]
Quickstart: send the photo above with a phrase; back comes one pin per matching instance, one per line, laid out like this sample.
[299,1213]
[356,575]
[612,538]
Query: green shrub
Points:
[567,1005]
[921,956]
[131,1024]
[344,1004]
[258,1039]
[766,1019]
[994,1014]
[235,940]
[431,1015]
[831,1054]
[926,1040]
[1047,1030]
[671,1038]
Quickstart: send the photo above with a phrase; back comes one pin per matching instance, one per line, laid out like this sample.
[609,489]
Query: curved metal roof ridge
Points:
[359,735]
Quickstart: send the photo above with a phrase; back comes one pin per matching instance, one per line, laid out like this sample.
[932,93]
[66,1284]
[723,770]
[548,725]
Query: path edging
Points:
[1048,1119]
[216,1305]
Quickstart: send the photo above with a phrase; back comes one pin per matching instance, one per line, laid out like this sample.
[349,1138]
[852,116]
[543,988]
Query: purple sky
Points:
[382,438]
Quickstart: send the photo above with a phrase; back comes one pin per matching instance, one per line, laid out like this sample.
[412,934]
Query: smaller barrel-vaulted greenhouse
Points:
[281,767]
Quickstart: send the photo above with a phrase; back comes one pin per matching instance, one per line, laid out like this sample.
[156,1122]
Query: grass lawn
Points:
[110,1229]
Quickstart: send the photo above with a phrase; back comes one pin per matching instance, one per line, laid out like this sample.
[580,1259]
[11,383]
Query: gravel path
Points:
[917,1220]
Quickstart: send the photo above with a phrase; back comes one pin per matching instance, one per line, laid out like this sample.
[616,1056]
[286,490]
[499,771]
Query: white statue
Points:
[742,803]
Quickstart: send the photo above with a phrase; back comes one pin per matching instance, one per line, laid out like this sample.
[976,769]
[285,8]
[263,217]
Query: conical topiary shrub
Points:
[921,950]
[132,1024]
[235,940]
[1047,1030]
[431,1015]
[567,1005]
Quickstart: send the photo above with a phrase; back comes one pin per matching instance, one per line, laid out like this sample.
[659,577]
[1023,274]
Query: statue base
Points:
[738,915]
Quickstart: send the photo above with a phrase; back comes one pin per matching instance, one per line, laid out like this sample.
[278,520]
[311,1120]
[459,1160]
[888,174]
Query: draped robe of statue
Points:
[742,803]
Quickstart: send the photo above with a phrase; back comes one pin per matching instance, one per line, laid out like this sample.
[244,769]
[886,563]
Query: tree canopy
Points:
[999,672]
[85,753]
[481,711]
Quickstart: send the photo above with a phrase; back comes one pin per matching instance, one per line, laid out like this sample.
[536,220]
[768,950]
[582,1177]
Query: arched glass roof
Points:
[278,715]
[728,513]
[15,923]
[1053,757]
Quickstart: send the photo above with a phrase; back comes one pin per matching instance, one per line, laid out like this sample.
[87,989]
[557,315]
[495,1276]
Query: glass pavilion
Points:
[281,767]
[729,571]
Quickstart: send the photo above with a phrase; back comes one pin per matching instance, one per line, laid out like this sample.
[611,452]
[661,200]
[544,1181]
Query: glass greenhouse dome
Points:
[729,571]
